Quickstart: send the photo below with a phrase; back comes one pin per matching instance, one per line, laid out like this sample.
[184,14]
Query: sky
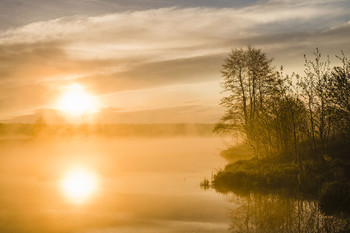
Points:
[150,61]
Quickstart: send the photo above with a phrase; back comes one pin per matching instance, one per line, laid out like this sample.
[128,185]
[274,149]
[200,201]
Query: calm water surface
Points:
[144,185]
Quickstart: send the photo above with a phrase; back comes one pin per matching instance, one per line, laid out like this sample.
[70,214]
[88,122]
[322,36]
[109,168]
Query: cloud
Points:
[135,50]
[20,12]
[177,114]
[25,69]
[152,74]
[169,28]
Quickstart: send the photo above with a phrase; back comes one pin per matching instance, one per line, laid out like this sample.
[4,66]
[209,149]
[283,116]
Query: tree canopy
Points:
[277,113]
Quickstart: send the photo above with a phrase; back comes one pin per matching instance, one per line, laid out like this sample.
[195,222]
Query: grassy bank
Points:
[325,180]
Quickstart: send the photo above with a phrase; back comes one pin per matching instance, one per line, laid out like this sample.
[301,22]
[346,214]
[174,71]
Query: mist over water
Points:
[144,185]
[84,182]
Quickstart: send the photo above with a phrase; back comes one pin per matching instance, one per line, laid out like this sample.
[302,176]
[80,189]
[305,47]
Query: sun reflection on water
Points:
[79,184]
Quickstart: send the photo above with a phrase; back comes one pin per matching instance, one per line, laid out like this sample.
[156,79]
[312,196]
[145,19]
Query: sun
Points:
[79,184]
[76,101]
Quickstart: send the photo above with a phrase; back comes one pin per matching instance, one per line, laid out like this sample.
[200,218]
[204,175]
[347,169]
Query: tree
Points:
[250,81]
[290,114]
[314,92]
[279,117]
[339,95]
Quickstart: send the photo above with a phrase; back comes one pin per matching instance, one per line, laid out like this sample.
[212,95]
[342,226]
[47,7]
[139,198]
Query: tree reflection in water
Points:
[275,213]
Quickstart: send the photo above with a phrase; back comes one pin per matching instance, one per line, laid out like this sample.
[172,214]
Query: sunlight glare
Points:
[79,184]
[76,101]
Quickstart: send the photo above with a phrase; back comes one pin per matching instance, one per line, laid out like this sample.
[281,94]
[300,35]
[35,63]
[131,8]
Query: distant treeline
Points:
[295,115]
[41,129]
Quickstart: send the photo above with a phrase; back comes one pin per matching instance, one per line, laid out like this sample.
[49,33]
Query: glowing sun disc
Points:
[76,101]
[79,184]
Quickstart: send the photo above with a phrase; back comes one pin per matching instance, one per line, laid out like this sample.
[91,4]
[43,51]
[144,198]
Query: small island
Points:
[293,131]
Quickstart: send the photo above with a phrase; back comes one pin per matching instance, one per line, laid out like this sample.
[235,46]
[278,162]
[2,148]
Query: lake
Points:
[143,185]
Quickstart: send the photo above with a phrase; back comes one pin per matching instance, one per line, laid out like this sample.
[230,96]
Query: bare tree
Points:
[339,94]
[314,92]
[249,80]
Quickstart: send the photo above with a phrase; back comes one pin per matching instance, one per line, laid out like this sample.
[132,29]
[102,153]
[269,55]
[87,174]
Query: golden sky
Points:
[150,61]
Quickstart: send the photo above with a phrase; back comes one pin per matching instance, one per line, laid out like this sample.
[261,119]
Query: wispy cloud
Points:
[147,48]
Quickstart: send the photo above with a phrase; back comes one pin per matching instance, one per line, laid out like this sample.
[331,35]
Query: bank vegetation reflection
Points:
[276,213]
